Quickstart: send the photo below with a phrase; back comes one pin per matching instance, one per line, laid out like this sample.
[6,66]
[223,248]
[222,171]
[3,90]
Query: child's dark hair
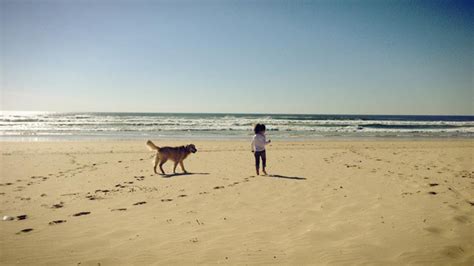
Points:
[259,128]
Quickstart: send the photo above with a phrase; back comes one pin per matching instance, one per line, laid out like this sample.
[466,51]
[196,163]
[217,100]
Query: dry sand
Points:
[328,202]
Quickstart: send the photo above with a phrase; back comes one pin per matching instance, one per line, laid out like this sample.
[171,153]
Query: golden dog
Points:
[176,154]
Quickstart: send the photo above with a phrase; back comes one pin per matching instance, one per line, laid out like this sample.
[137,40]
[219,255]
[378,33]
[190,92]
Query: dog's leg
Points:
[161,165]
[157,160]
[174,168]
[182,166]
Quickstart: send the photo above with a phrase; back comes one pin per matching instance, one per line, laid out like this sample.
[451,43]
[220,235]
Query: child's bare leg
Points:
[264,162]
[257,162]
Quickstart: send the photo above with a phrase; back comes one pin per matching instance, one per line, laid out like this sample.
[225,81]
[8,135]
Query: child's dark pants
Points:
[258,155]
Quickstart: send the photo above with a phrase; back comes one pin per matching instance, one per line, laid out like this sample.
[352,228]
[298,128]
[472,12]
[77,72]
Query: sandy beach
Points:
[384,202]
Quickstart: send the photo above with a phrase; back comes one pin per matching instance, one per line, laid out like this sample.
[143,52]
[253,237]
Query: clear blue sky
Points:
[342,57]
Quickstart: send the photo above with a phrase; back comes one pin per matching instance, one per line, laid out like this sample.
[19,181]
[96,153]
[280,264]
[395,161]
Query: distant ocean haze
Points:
[48,125]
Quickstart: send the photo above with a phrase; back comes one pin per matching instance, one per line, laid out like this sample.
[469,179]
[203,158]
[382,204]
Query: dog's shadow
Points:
[288,177]
[180,174]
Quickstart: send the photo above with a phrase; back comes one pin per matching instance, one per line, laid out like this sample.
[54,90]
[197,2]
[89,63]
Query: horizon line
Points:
[235,113]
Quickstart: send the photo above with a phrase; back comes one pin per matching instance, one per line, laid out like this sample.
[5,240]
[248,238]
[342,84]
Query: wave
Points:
[412,126]
[232,124]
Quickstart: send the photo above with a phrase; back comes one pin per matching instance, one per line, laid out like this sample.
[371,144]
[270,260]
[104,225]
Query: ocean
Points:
[32,126]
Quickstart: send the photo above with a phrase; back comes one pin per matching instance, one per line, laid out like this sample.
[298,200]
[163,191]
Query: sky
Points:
[311,57]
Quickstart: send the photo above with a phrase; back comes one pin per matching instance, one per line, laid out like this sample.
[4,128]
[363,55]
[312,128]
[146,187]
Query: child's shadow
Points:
[288,177]
[179,174]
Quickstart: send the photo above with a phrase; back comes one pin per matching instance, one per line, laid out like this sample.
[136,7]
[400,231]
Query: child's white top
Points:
[258,142]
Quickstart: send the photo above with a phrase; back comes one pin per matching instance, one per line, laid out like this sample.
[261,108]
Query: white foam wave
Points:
[15,123]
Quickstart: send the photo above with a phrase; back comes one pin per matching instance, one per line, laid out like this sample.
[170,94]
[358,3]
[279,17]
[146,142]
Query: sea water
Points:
[53,125]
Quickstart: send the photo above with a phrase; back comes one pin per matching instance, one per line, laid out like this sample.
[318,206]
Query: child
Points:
[258,147]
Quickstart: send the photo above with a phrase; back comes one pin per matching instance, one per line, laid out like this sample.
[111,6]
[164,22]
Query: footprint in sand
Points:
[119,209]
[453,251]
[25,231]
[140,203]
[57,206]
[219,187]
[19,188]
[462,219]
[94,197]
[233,184]
[57,222]
[22,217]
[433,230]
[166,200]
[202,193]
[39,177]
[432,193]
[182,196]
[433,184]
[69,194]
[81,213]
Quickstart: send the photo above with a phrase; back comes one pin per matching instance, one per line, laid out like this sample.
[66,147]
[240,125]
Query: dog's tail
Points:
[152,146]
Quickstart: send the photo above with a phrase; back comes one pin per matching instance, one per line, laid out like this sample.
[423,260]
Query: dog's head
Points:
[191,148]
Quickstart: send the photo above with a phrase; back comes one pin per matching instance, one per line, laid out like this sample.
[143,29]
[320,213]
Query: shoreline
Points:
[226,138]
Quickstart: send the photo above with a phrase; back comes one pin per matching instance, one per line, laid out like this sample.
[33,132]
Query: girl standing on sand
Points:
[258,147]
